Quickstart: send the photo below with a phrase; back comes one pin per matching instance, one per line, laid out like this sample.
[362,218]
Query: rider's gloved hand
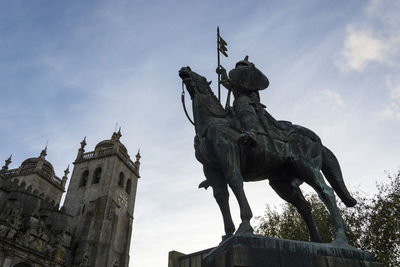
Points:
[248,137]
[220,70]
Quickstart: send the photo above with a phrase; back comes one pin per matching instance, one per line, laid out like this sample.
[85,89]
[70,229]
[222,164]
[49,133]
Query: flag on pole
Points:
[222,46]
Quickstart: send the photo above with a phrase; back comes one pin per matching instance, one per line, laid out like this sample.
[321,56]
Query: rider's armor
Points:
[245,80]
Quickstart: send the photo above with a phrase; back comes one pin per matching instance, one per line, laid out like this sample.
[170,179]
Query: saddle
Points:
[284,130]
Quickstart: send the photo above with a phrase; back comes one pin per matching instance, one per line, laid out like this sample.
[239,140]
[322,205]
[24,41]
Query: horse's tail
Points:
[331,170]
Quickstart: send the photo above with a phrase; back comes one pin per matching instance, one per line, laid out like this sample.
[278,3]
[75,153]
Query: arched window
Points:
[85,177]
[96,176]
[121,179]
[128,186]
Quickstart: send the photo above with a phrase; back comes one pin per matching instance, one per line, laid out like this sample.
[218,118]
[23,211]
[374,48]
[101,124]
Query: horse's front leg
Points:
[229,158]
[235,181]
[217,181]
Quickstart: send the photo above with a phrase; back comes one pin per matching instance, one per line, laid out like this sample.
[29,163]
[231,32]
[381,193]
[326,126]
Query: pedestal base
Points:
[261,251]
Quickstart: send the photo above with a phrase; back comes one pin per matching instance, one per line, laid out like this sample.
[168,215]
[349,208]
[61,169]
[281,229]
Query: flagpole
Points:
[219,76]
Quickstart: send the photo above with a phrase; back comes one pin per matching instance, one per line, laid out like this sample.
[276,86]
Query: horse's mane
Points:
[216,101]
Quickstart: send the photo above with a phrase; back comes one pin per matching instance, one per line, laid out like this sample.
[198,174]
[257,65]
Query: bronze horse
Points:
[287,162]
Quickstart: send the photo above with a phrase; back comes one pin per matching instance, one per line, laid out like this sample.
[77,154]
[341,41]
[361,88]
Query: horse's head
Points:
[206,105]
[194,82]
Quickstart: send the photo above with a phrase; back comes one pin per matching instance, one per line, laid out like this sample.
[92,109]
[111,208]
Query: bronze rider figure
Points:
[245,80]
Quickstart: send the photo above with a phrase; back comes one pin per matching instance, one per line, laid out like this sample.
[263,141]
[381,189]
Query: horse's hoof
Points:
[349,201]
[245,228]
[342,243]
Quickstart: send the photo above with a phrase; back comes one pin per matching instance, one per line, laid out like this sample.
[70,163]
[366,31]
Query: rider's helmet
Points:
[247,76]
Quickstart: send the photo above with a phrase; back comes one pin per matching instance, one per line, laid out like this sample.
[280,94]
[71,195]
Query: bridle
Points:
[226,113]
[184,105]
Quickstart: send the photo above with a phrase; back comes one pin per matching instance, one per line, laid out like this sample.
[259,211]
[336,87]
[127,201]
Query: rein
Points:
[183,104]
[224,115]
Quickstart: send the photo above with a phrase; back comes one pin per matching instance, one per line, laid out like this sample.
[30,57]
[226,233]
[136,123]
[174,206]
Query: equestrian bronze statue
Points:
[245,143]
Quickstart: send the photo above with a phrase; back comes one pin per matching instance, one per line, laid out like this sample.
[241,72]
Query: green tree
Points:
[382,235]
[373,224]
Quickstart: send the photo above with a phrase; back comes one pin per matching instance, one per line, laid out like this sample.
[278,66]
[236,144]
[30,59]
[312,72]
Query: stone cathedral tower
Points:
[101,198]
[92,228]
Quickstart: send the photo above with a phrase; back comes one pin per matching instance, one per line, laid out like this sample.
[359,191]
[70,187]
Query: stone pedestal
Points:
[261,251]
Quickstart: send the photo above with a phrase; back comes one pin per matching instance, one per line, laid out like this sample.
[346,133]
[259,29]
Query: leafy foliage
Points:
[373,224]
[289,224]
[382,236]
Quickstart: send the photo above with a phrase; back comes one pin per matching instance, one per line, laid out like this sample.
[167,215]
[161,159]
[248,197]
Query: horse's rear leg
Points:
[292,194]
[327,195]
[220,190]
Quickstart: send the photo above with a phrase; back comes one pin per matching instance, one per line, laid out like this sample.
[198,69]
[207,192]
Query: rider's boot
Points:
[248,137]
[249,121]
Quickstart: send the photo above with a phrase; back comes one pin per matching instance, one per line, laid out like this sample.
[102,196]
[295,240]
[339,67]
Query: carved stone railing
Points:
[52,178]
[127,160]
[88,155]
[110,151]
[45,173]
[106,152]
[57,179]
[12,172]
[130,163]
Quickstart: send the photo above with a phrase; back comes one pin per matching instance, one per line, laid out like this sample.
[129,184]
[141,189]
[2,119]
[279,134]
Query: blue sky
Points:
[70,69]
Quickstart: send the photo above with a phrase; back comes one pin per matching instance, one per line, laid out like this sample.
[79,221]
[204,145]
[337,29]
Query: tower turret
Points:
[65,177]
[81,149]
[5,167]
[39,173]
[101,197]
[137,162]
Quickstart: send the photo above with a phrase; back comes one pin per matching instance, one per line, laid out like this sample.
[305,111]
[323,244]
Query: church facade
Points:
[94,225]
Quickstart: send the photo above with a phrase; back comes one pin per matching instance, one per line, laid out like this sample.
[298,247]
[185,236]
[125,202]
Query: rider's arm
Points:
[224,77]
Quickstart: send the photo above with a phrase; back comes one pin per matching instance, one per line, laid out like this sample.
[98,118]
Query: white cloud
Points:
[384,10]
[375,39]
[332,97]
[362,48]
[394,91]
[391,112]
[336,97]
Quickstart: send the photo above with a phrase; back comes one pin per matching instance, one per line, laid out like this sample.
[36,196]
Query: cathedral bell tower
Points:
[101,197]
